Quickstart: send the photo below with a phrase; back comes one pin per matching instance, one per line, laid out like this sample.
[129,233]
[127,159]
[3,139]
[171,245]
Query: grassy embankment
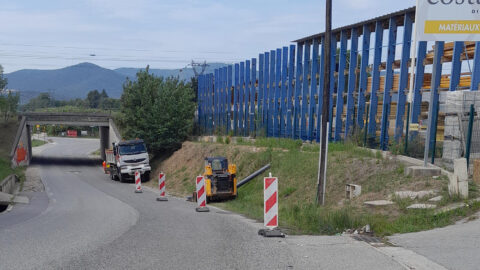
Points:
[296,167]
[36,143]
[7,135]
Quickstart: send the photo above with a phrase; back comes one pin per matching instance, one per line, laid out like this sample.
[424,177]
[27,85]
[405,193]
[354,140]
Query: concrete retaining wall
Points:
[8,184]
[21,153]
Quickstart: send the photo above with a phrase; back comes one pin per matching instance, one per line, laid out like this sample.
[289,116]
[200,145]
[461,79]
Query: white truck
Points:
[127,157]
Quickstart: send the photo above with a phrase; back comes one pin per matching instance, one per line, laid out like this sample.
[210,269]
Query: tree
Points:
[158,110]
[93,99]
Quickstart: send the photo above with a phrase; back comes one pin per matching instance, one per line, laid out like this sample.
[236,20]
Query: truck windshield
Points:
[132,149]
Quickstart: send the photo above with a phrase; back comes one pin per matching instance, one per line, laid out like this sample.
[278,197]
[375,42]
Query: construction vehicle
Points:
[127,157]
[220,179]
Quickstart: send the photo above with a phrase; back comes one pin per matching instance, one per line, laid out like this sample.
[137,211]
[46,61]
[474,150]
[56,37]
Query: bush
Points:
[158,110]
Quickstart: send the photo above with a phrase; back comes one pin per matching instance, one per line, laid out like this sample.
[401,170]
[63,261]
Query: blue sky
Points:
[163,33]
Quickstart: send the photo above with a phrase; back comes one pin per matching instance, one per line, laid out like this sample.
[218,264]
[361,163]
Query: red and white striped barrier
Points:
[201,195]
[161,187]
[138,183]
[270,195]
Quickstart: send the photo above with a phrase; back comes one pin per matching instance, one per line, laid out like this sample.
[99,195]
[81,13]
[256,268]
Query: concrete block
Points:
[463,189]
[452,149]
[352,191]
[436,199]
[460,169]
[422,206]
[453,185]
[378,203]
[419,171]
[476,171]
[450,207]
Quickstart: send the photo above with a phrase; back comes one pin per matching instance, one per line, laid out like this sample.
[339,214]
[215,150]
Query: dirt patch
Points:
[186,163]
[33,182]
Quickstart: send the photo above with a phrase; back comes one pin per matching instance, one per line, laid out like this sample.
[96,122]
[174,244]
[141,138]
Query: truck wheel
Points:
[112,176]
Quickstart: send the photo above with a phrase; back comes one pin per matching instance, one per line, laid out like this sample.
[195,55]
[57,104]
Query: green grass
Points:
[296,170]
[6,170]
[36,143]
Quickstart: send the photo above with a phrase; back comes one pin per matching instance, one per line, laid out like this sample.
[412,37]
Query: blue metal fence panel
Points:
[476,68]
[313,92]
[261,91]
[241,110]
[200,102]
[321,89]
[247,98]
[341,85]
[387,98]
[253,94]
[266,92]
[291,93]
[225,99]
[333,66]
[352,81]
[283,90]
[456,65]
[298,93]
[403,83]
[377,59]
[306,72]
[419,75]
[363,81]
[236,91]
[271,99]
[277,97]
[434,91]
[215,99]
[229,98]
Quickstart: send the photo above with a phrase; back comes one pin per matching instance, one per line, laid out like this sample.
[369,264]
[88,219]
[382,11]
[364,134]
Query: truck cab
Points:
[126,158]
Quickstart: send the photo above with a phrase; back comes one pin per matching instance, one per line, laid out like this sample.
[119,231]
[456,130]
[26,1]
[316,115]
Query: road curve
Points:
[92,222]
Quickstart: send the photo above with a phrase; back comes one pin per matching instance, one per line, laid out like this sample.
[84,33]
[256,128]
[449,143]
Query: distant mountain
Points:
[76,81]
[67,83]
[183,74]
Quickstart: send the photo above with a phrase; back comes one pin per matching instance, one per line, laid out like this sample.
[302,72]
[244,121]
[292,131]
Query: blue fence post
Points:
[476,68]
[387,98]
[215,101]
[403,83]
[283,101]
[434,91]
[306,72]
[225,98]
[456,65]
[419,75]
[266,93]
[205,104]
[200,103]
[221,100]
[321,88]
[363,81]
[333,66]
[229,98]
[372,121]
[291,93]
[236,99]
[271,108]
[253,91]
[260,101]
[298,92]
[341,85]
[277,98]
[313,92]
[352,81]
[247,98]
[241,110]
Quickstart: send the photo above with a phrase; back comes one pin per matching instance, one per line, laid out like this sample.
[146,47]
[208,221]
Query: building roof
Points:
[383,18]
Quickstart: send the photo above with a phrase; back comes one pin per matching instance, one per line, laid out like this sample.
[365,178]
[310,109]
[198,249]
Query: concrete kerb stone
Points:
[420,171]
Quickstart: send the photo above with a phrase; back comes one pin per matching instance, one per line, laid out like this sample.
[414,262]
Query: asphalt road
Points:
[454,247]
[87,221]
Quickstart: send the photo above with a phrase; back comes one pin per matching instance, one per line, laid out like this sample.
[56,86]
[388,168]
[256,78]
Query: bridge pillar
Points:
[104,134]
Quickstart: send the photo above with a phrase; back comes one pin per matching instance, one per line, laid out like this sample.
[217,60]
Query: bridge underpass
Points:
[21,154]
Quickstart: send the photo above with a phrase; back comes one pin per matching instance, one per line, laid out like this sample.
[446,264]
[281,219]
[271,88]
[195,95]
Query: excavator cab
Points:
[220,178]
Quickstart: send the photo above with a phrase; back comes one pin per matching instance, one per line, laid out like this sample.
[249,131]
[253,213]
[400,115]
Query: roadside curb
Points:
[409,259]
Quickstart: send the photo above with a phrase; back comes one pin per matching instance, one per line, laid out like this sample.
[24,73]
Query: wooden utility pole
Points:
[326,104]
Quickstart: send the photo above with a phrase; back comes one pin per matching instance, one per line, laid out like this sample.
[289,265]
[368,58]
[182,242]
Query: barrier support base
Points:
[138,191]
[162,199]
[202,209]
[271,233]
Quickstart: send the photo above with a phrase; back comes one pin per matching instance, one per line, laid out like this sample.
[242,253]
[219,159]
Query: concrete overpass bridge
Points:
[21,153]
